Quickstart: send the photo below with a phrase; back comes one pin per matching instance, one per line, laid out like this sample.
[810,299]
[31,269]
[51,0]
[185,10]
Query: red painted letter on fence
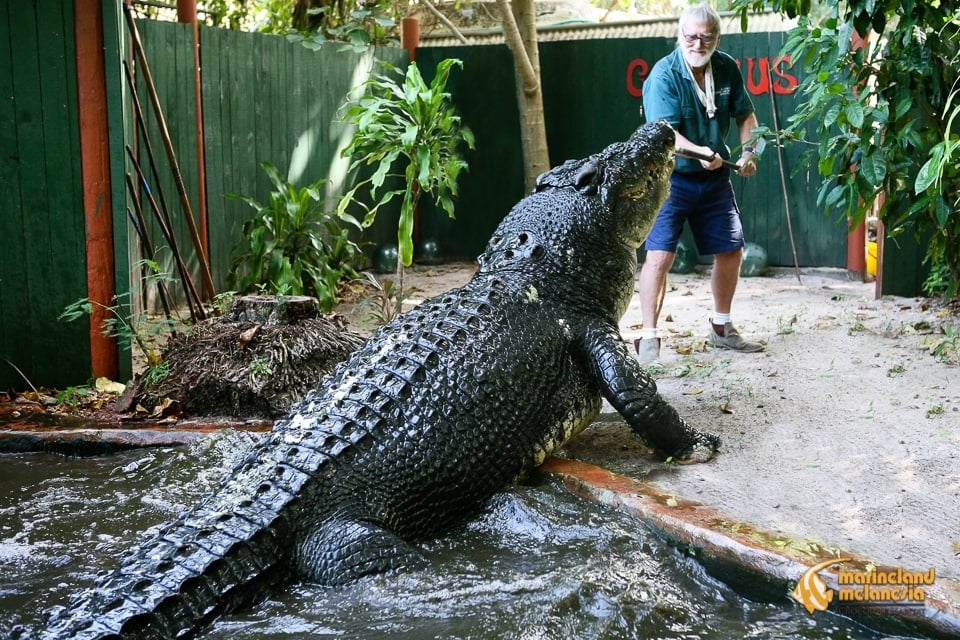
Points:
[637,71]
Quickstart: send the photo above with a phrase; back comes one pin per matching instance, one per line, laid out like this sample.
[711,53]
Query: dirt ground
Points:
[845,430]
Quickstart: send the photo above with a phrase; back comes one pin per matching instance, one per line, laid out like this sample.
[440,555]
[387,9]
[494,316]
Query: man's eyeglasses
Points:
[705,38]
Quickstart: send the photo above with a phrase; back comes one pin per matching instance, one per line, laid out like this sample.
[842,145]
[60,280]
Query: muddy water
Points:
[539,563]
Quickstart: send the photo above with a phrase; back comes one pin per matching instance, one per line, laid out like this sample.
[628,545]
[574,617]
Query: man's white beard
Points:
[697,60]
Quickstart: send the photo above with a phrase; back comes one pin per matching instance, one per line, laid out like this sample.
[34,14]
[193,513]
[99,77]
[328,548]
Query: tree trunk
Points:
[520,31]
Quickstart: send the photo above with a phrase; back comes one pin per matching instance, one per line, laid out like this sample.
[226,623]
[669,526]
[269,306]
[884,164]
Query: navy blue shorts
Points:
[705,200]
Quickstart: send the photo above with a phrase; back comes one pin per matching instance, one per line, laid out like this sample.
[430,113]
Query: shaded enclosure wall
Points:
[592,97]
[268,99]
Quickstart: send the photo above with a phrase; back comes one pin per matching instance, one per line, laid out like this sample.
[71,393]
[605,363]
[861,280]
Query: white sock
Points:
[646,334]
[720,319]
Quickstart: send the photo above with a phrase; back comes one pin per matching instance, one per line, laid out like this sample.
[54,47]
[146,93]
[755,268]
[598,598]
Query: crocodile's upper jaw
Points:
[642,176]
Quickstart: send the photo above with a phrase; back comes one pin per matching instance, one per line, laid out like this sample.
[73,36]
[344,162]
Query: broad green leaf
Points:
[409,136]
[873,168]
[854,113]
[830,117]
[942,211]
[423,159]
[929,172]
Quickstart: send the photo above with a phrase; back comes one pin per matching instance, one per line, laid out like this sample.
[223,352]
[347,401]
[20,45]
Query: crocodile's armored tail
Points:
[230,551]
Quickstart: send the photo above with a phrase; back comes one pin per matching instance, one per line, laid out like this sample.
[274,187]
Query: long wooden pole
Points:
[95,169]
[189,289]
[187,14]
[205,277]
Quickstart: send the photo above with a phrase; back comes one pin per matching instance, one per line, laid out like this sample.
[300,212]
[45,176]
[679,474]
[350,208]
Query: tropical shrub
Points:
[400,117]
[295,246]
[881,97]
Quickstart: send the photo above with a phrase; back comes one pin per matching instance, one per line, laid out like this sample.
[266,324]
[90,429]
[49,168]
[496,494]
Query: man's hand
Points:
[747,164]
[715,161]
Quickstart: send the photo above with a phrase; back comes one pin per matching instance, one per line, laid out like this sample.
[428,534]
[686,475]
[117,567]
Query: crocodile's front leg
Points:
[633,393]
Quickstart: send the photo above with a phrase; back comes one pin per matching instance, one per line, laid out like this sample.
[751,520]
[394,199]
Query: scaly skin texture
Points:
[436,412]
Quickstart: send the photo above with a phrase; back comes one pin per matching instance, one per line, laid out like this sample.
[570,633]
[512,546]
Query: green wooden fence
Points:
[591,98]
[265,99]
[42,260]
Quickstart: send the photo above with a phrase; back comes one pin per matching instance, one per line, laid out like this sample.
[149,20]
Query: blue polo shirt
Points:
[668,94]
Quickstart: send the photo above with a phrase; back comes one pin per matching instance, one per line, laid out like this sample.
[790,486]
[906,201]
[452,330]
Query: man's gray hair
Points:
[700,13]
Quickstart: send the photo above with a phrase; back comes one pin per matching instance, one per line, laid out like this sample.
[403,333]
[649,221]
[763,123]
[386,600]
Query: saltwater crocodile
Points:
[426,421]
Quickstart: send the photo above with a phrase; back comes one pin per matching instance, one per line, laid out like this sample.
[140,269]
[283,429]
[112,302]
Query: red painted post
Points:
[857,237]
[187,11]
[410,40]
[856,249]
[95,172]
[410,36]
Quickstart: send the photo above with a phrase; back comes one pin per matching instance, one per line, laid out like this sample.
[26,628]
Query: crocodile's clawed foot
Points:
[703,449]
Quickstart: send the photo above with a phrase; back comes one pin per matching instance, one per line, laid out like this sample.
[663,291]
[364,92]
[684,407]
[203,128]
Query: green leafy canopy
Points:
[881,98]
[294,244]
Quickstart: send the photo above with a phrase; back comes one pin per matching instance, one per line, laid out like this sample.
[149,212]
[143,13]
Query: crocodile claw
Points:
[703,449]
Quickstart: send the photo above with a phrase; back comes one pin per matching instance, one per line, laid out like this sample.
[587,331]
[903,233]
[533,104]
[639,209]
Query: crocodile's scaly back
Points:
[429,418]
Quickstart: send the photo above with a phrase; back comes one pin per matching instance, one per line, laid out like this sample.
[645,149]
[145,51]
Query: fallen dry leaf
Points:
[106,385]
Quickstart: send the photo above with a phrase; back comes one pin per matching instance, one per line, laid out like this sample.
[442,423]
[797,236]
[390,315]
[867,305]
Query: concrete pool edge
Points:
[757,562]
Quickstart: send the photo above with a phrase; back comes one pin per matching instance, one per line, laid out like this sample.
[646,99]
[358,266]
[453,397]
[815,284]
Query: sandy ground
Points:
[844,431]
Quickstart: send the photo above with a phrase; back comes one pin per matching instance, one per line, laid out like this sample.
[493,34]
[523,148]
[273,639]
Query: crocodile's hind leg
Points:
[341,551]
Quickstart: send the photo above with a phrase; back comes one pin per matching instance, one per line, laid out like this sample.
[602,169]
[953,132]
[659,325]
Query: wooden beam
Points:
[95,172]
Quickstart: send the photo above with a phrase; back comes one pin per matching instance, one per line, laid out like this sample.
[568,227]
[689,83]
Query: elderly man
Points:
[698,90]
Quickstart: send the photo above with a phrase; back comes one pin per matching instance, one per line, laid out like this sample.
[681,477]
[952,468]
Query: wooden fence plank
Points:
[14,315]
[43,234]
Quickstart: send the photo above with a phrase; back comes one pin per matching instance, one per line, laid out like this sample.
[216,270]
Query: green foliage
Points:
[120,324]
[947,349]
[357,29]
[293,245]
[357,23]
[399,116]
[156,373]
[73,397]
[269,16]
[385,303]
[883,114]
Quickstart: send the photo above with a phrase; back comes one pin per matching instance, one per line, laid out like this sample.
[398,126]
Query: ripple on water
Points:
[539,563]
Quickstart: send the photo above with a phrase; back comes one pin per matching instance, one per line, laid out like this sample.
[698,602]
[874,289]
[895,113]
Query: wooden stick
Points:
[696,155]
[205,276]
[141,123]
[193,298]
[140,226]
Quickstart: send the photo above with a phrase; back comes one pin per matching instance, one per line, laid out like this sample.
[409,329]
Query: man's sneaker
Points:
[731,339]
[648,350]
